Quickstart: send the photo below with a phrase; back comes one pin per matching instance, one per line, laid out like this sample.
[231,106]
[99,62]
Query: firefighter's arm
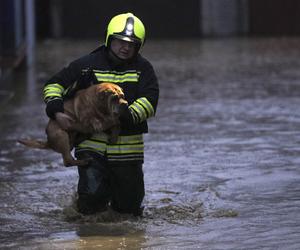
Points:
[55,88]
[145,105]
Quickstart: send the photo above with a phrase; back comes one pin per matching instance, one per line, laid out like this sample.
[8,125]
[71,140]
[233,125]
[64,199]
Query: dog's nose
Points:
[123,103]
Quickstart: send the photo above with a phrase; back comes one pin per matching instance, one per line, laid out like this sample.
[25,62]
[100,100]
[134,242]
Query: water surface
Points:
[222,157]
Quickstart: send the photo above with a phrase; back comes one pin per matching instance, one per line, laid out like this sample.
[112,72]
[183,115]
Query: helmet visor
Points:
[127,39]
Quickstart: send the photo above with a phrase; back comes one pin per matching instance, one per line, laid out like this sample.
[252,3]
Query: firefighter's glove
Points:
[53,107]
[126,118]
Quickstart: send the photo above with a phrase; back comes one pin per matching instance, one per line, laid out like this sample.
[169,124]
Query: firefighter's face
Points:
[123,49]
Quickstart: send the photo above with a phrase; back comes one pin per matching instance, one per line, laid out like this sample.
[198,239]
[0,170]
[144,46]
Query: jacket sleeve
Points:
[57,85]
[145,105]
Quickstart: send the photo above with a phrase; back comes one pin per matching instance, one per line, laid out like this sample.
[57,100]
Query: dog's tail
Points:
[32,143]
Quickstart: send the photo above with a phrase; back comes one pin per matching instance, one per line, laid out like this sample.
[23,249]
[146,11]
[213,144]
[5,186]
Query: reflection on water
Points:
[222,155]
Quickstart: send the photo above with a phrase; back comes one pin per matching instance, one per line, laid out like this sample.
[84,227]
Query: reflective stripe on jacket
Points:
[127,148]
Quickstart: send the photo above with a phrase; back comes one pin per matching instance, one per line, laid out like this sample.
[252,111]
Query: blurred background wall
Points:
[21,21]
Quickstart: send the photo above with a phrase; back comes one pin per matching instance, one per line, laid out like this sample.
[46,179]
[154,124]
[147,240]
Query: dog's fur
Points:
[95,109]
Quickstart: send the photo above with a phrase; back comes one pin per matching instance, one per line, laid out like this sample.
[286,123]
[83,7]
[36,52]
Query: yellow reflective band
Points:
[131,144]
[147,105]
[134,116]
[53,90]
[115,78]
[51,94]
[99,146]
[143,109]
[125,149]
[101,137]
[90,149]
[130,139]
[140,111]
[127,156]
[138,157]
[116,72]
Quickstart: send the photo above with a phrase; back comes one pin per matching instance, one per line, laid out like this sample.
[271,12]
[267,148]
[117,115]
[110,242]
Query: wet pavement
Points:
[222,157]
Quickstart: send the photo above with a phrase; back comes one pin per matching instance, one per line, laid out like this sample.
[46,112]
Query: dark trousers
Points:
[102,184]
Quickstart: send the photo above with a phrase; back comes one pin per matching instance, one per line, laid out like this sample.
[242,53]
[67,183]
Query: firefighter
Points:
[114,174]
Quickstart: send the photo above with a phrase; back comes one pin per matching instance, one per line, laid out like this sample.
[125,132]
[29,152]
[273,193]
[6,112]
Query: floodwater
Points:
[222,157]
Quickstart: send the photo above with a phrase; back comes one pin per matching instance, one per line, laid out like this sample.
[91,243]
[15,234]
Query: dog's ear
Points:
[99,88]
[118,90]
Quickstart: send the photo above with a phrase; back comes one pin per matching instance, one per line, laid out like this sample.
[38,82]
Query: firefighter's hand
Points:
[125,118]
[63,120]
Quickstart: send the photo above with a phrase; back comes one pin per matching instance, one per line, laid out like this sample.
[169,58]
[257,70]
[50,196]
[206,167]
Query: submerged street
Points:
[221,159]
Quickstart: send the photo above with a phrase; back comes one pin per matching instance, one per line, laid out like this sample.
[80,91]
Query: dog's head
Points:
[111,96]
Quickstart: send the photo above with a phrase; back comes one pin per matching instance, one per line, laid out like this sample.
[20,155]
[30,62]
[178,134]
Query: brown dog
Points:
[93,110]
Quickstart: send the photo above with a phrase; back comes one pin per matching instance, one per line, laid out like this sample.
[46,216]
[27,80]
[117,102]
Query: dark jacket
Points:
[137,79]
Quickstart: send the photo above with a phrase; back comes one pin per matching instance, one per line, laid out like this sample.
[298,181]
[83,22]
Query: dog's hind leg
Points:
[59,141]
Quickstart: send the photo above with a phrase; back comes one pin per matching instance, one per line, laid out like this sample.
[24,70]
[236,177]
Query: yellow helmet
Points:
[126,27]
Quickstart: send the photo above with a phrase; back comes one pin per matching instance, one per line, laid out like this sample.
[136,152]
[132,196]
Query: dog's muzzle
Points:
[118,107]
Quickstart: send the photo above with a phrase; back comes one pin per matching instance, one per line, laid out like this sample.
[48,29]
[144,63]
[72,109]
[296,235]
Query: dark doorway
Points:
[269,17]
